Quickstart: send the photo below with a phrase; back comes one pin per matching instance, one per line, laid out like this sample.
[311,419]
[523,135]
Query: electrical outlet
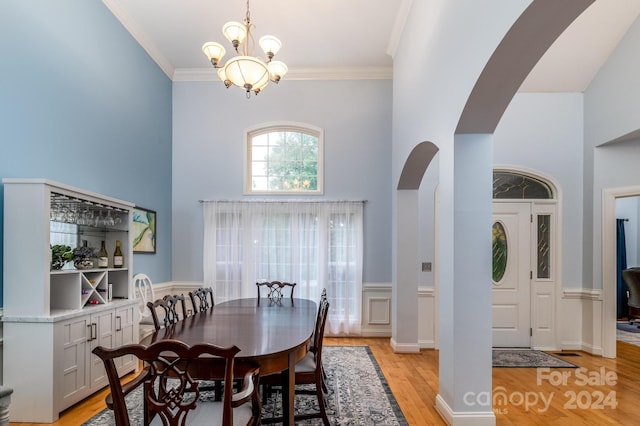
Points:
[426,266]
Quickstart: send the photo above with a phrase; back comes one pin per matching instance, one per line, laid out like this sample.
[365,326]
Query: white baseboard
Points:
[593,350]
[427,344]
[472,418]
[375,333]
[404,348]
[572,345]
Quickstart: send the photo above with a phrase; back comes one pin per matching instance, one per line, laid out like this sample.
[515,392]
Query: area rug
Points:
[630,328]
[358,394]
[527,358]
[631,338]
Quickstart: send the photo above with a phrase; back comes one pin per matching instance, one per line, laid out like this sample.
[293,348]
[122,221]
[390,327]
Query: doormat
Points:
[527,358]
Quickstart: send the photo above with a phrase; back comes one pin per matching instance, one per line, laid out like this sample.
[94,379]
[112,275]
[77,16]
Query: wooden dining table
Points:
[273,334]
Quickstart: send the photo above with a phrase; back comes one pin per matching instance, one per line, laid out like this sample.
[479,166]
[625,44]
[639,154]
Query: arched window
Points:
[284,159]
[517,186]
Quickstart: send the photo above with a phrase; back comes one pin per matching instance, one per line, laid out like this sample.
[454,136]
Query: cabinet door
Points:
[102,334]
[126,333]
[75,350]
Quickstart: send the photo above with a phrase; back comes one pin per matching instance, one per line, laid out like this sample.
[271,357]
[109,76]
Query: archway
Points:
[468,208]
[405,338]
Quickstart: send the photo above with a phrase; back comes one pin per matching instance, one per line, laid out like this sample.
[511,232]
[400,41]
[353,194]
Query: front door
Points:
[511,283]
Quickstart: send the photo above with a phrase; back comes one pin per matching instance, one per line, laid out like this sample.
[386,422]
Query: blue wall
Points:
[209,124]
[81,103]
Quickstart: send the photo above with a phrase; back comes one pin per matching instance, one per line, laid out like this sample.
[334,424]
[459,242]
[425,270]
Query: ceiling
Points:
[348,38]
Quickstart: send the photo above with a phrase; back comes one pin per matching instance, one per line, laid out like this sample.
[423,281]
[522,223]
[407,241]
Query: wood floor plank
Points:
[413,379]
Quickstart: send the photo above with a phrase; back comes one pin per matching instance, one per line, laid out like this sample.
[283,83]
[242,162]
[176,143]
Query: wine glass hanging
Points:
[67,209]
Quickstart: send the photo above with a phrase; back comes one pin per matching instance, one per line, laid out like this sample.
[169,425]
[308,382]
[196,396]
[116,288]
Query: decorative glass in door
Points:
[499,250]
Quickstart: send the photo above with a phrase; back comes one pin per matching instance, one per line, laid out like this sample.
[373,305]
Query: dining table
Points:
[272,333]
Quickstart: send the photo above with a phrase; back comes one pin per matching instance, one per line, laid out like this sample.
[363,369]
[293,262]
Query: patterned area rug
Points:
[358,393]
[527,358]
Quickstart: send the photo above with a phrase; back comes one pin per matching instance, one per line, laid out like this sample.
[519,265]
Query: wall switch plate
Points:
[426,266]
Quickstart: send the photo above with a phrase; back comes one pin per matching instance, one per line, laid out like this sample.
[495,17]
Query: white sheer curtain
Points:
[314,244]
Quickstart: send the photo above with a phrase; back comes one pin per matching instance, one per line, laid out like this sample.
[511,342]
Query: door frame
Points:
[544,295]
[608,259]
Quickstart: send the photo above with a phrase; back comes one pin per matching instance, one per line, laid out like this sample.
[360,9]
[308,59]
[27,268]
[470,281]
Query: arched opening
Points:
[468,208]
[405,337]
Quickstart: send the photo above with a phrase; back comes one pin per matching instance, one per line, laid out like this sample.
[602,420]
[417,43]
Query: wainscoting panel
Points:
[376,310]
[162,289]
[376,306]
[380,310]
[427,336]
[570,319]
[581,320]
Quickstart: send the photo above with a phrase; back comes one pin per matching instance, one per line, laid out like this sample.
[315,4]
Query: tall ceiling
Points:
[348,37]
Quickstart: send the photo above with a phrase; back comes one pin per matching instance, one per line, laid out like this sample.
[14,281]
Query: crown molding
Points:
[130,24]
[296,74]
[398,26]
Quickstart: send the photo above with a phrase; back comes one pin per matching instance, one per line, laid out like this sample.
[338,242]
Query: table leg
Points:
[288,392]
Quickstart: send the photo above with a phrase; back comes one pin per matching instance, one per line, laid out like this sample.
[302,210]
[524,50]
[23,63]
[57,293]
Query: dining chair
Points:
[202,299]
[170,391]
[165,311]
[323,296]
[308,371]
[274,289]
[143,292]
[312,346]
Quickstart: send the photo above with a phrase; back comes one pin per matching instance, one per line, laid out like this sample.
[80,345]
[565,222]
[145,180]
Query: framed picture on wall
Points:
[144,230]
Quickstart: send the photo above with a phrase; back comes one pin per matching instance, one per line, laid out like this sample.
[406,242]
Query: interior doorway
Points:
[609,265]
[627,214]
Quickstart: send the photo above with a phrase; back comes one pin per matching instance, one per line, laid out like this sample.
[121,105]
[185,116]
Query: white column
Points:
[465,282]
[404,299]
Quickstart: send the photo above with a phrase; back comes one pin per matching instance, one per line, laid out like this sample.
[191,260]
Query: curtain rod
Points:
[283,201]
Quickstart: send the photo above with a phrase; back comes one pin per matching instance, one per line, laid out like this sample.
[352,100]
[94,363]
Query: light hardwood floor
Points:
[413,379]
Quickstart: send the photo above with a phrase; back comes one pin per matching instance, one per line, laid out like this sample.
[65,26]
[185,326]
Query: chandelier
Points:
[245,70]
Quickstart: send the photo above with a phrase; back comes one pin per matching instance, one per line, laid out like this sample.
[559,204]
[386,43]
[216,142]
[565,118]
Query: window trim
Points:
[275,127]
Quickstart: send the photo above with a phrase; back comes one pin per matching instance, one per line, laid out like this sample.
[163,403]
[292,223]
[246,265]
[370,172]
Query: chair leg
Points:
[323,411]
[218,390]
[324,381]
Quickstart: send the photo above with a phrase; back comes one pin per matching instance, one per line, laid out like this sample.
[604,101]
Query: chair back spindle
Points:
[143,291]
[168,310]
[202,299]
[171,391]
[275,290]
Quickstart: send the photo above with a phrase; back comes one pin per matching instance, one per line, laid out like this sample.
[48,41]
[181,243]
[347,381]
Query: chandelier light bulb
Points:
[235,32]
[270,45]
[214,51]
[277,70]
